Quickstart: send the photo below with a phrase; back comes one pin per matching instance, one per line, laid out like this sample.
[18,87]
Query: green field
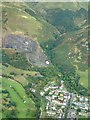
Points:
[22,107]
[20,75]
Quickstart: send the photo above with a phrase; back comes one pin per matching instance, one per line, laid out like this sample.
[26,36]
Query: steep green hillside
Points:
[63,5]
[64,16]
[17,21]
[73,50]
[30,19]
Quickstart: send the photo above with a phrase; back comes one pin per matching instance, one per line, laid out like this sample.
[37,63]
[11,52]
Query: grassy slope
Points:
[21,106]
[43,9]
[69,41]
[41,31]
[63,5]
[61,52]
[21,22]
[19,77]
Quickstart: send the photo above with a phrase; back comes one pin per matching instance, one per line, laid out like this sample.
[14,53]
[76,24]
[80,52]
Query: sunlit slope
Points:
[63,5]
[16,20]
[64,16]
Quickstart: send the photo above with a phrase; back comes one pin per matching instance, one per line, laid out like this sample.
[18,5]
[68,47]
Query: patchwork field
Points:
[18,74]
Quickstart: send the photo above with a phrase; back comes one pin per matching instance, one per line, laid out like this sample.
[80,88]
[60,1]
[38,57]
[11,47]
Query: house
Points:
[56,102]
[63,107]
[83,113]
[50,93]
[62,81]
[61,95]
[33,90]
[46,89]
[86,99]
[26,43]
[65,100]
[41,93]
[53,108]
[47,107]
[56,92]
[65,104]
[47,62]
[51,112]
[54,96]
[65,97]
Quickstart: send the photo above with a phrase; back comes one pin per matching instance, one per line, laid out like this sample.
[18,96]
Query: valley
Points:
[44,65]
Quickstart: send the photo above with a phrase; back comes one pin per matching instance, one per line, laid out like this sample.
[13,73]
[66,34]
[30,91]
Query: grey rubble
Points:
[31,48]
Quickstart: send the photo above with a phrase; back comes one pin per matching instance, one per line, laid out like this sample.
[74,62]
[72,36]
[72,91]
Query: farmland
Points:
[18,74]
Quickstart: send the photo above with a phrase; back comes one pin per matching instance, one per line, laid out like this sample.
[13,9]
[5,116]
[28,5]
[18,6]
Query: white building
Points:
[47,62]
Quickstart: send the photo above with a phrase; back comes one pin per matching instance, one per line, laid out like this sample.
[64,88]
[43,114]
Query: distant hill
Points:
[64,16]
[16,20]
[60,29]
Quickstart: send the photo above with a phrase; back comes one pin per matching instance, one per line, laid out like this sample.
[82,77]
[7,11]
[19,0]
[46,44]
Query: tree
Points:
[78,110]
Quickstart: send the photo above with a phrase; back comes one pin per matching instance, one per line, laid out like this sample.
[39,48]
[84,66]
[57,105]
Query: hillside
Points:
[16,20]
[65,18]
[32,50]
[44,60]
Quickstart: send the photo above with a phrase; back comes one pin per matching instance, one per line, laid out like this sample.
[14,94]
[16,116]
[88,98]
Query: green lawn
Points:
[22,107]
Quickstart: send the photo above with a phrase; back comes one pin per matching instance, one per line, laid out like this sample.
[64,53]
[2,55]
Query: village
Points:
[61,103]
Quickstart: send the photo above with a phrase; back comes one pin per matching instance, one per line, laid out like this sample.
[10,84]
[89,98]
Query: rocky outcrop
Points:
[24,44]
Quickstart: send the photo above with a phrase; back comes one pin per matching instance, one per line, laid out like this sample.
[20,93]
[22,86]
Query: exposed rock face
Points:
[32,49]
